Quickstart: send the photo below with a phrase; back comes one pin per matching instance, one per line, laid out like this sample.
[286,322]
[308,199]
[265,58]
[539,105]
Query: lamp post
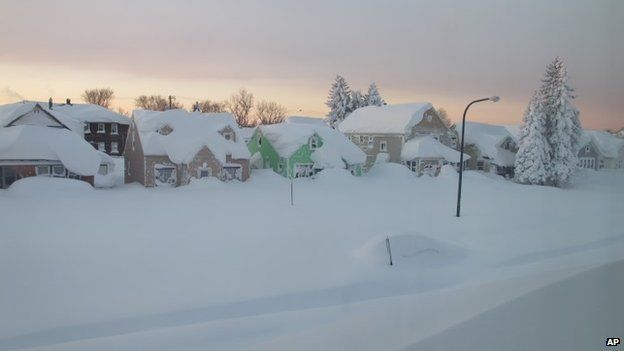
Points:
[461,151]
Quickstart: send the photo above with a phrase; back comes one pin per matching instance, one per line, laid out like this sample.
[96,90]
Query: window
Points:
[370,142]
[228,136]
[313,143]
[480,165]
[280,166]
[362,139]
[103,170]
[114,147]
[203,172]
[87,128]
[101,128]
[101,146]
[114,128]
[601,164]
[587,148]
[42,170]
[58,171]
[383,146]
[259,141]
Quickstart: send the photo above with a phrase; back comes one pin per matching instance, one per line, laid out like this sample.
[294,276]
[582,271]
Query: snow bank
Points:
[306,120]
[429,147]
[394,119]
[48,187]
[25,142]
[190,132]
[390,172]
[411,248]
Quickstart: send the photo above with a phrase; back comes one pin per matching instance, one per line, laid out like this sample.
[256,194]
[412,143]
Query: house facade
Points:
[170,148]
[382,132]
[297,150]
[492,148]
[600,150]
[104,129]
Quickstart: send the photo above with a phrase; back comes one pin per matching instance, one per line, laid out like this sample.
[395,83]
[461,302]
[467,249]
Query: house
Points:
[492,148]
[39,150]
[383,132]
[600,150]
[296,150]
[104,129]
[169,148]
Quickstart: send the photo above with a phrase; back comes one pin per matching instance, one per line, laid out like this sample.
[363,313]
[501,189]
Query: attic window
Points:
[587,148]
[228,135]
[313,143]
[259,141]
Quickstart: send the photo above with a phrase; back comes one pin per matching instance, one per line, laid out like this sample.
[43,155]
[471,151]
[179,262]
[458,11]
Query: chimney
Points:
[68,101]
[50,103]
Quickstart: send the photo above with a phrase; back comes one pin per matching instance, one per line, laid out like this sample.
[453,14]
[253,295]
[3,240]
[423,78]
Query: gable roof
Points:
[391,119]
[191,131]
[11,113]
[26,142]
[90,113]
[306,120]
[287,138]
[428,147]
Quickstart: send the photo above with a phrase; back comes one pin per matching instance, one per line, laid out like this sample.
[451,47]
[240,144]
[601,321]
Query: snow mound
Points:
[390,172]
[48,187]
[411,248]
[448,171]
[331,175]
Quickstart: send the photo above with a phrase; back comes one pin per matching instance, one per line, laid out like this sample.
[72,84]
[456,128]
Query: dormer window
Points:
[313,143]
[165,130]
[587,148]
[228,135]
[259,141]
[87,128]
[114,129]
[101,128]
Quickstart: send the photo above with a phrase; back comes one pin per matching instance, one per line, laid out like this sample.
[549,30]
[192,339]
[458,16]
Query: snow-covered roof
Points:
[287,138]
[247,132]
[607,144]
[73,116]
[428,147]
[25,142]
[391,119]
[191,131]
[488,137]
[306,120]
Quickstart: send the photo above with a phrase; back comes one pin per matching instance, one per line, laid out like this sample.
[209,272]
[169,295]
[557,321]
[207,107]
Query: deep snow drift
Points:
[233,266]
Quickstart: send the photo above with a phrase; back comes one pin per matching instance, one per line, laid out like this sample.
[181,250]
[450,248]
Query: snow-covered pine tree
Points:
[338,101]
[357,100]
[563,128]
[532,159]
[373,98]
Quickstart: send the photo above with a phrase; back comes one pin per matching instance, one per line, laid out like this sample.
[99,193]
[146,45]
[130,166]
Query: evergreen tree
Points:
[373,98]
[338,101]
[563,128]
[357,100]
[532,159]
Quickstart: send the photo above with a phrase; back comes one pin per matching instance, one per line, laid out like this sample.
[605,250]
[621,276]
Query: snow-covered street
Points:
[232,266]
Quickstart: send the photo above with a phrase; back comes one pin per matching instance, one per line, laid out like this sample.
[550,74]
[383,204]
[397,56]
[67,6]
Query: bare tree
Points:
[240,105]
[270,112]
[123,111]
[99,96]
[156,103]
[444,117]
[208,106]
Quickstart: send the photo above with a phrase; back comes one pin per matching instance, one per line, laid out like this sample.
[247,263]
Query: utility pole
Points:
[171,98]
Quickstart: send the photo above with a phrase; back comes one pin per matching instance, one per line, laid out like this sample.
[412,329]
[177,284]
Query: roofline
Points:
[42,109]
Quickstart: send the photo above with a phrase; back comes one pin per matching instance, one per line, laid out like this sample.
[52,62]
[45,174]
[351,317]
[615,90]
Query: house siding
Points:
[394,144]
[29,170]
[133,158]
[93,137]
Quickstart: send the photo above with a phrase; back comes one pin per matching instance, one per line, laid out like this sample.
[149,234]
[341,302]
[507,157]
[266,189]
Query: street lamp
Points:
[461,152]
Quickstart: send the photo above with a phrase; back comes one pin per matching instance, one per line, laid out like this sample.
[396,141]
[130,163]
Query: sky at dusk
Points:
[444,52]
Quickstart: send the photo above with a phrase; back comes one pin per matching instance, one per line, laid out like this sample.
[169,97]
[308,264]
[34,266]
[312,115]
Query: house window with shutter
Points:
[101,128]
[114,147]
[383,146]
[114,129]
[101,146]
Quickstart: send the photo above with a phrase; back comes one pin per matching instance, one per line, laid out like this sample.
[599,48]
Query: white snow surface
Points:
[287,138]
[429,147]
[391,119]
[487,137]
[25,142]
[306,120]
[191,132]
[164,273]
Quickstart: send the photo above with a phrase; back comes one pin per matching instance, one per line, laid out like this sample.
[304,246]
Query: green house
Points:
[296,150]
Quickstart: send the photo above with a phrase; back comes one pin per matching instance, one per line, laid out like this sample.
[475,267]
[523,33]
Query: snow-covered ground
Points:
[230,266]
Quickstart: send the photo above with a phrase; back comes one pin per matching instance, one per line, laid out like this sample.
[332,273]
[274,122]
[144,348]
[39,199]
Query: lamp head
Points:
[494,98]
